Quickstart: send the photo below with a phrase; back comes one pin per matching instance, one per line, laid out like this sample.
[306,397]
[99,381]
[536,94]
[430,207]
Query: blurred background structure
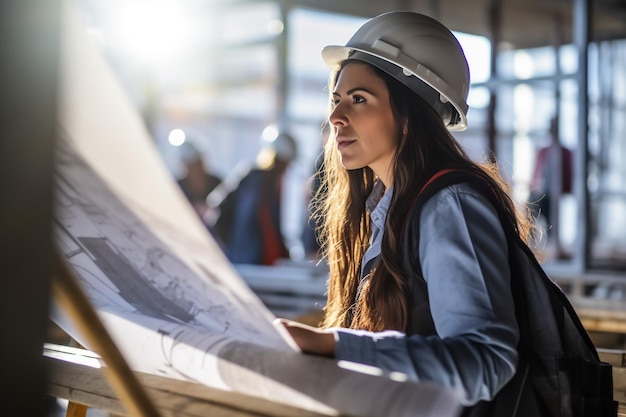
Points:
[222,71]
[225,70]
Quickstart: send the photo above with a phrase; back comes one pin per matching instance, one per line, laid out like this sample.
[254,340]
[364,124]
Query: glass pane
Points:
[607,129]
[569,59]
[309,32]
[248,22]
[524,64]
[247,65]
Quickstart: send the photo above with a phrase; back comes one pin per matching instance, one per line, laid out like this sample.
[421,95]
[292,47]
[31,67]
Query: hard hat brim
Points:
[334,55]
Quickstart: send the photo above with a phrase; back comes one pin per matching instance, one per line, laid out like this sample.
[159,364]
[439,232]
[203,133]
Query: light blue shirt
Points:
[464,261]
[377,207]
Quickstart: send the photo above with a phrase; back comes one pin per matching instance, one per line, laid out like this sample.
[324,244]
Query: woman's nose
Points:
[337,116]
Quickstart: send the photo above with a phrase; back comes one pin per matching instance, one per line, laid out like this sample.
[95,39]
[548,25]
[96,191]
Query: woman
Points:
[400,85]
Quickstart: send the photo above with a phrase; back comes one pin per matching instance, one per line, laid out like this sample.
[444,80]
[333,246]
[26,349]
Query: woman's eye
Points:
[358,99]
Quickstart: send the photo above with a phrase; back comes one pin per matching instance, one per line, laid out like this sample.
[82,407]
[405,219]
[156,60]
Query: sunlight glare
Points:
[152,31]
[176,137]
[361,368]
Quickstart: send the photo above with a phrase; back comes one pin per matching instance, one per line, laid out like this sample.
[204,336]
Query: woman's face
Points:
[364,121]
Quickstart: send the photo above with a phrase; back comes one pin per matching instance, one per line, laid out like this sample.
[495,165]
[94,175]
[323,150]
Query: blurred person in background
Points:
[310,231]
[197,182]
[552,178]
[249,204]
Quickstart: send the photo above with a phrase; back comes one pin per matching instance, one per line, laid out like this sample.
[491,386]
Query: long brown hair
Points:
[426,147]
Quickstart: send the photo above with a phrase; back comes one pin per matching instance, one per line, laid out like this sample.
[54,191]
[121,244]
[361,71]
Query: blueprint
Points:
[127,268]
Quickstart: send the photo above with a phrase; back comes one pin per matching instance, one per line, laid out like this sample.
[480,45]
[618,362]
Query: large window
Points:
[531,96]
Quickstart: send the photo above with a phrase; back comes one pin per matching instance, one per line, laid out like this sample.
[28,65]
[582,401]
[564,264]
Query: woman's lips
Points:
[344,143]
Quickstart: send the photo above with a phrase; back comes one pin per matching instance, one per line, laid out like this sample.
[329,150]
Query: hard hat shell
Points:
[284,145]
[424,54]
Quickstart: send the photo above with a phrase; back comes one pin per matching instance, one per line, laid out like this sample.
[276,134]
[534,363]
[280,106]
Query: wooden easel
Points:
[118,389]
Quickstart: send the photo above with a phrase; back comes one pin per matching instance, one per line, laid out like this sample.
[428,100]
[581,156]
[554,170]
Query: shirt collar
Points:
[378,203]
[375,196]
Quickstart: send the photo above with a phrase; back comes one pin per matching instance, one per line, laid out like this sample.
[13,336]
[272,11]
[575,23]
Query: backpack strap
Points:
[512,392]
[419,320]
[432,191]
[438,181]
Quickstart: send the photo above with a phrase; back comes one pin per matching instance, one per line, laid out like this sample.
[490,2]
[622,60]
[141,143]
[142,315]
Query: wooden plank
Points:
[619,385]
[597,313]
[288,290]
[603,324]
[87,385]
[297,305]
[300,280]
[76,410]
[617,358]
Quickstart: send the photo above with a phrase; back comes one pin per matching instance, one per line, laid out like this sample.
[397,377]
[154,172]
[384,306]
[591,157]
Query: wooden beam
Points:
[74,376]
[76,410]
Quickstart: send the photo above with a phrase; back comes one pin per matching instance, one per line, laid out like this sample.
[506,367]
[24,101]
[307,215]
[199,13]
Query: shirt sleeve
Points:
[464,260]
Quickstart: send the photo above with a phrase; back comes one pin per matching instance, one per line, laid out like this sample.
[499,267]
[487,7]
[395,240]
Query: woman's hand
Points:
[310,339]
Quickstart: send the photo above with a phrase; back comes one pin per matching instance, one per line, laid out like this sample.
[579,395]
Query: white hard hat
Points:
[418,51]
[283,144]
[285,147]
